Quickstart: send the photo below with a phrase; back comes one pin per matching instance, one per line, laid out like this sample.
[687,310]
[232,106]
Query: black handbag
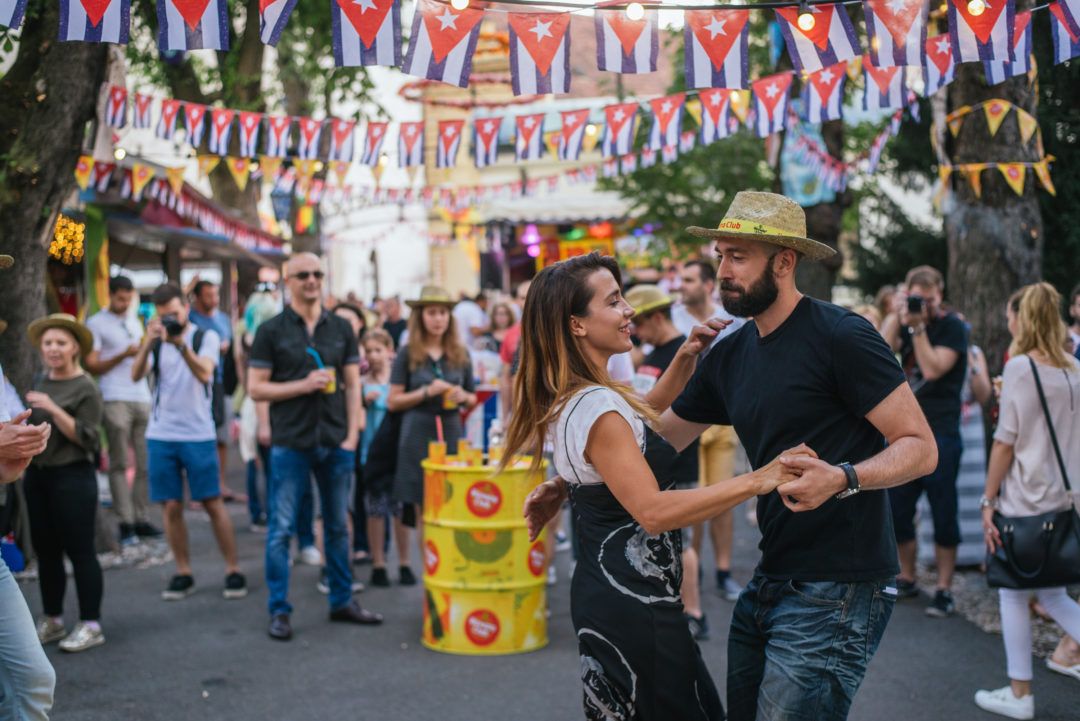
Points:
[1040,551]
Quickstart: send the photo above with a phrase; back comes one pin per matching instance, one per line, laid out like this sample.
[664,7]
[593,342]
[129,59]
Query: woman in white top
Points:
[1024,479]
[638,660]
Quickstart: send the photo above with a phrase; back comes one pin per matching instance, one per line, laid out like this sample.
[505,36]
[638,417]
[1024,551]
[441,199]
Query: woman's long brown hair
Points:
[553,365]
[1040,327]
[456,353]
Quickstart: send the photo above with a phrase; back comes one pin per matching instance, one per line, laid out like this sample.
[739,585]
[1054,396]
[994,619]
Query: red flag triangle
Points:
[939,50]
[541,34]
[883,77]
[366,16]
[819,34]
[191,10]
[982,25]
[446,27]
[897,15]
[826,79]
[95,10]
[717,31]
[628,31]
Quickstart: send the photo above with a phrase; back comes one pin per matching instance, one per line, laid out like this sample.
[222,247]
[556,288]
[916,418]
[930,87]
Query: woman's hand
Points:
[776,473]
[459,396]
[437,387]
[990,531]
[42,402]
[702,336]
[543,504]
[371,396]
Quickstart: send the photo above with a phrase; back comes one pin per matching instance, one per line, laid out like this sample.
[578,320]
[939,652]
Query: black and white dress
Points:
[638,659]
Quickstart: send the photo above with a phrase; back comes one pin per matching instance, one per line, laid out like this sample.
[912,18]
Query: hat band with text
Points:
[749,227]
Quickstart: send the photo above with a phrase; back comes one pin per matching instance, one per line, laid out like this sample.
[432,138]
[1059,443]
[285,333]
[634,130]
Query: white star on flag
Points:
[410,131]
[447,20]
[772,90]
[666,107]
[943,45]
[449,132]
[826,76]
[528,122]
[716,27]
[542,30]
[619,114]
[376,132]
[488,126]
[365,5]
[896,6]
[714,99]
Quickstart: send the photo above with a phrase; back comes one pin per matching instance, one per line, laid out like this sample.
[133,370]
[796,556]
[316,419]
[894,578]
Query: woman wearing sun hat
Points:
[61,484]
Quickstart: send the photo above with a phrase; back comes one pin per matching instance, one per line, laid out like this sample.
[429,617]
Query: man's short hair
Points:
[705,269]
[165,293]
[925,276]
[199,287]
[120,282]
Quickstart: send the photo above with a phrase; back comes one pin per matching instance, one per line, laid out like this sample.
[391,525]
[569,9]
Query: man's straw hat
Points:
[6,261]
[66,321]
[647,298]
[768,218]
[432,295]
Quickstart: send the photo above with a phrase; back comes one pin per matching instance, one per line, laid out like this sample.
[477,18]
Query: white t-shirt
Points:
[576,421]
[113,334]
[468,314]
[181,408]
[621,367]
[685,322]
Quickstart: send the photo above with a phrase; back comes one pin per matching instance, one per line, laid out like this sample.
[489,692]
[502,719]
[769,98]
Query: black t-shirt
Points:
[666,463]
[812,380]
[395,328]
[940,399]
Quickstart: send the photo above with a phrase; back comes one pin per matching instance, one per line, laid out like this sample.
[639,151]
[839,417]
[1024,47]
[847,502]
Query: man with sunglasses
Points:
[305,362]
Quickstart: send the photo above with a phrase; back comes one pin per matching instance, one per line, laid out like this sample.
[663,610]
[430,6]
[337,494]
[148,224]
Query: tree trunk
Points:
[50,93]
[824,222]
[995,241]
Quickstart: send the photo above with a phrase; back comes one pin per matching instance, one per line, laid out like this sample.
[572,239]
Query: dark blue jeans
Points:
[799,650]
[290,472]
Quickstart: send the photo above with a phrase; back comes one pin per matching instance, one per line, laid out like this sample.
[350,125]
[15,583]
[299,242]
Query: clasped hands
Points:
[19,443]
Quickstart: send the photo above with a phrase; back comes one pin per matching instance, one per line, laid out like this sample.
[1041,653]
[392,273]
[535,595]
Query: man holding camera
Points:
[180,360]
[933,344]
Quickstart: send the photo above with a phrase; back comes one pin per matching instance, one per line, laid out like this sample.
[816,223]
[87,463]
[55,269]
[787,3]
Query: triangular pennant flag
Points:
[573,136]
[667,120]
[1014,174]
[829,39]
[955,125]
[539,53]
[270,165]
[995,110]
[240,168]
[770,102]
[823,93]
[896,30]
[366,32]
[693,107]
[442,42]
[340,169]
[1028,125]
[93,21]
[974,176]
[175,177]
[716,48]
[619,129]
[1042,172]
[740,104]
[207,163]
[141,174]
[624,45]
[985,35]
[551,142]
[83,168]
[376,172]
[486,140]
[305,169]
[193,25]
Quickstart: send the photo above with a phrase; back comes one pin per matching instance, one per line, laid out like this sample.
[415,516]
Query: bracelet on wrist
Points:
[985,502]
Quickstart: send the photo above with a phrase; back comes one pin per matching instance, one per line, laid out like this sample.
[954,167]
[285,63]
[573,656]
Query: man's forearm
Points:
[99,367]
[139,366]
[201,367]
[905,459]
[352,410]
[274,392]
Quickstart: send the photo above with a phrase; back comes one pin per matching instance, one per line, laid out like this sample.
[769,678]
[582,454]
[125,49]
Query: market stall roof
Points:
[575,205]
[146,241]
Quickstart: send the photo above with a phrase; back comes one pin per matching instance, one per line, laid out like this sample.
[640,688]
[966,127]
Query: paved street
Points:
[207,658]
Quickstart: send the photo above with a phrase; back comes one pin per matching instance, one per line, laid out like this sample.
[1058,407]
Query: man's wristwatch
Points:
[914,330]
[853,486]
[182,348]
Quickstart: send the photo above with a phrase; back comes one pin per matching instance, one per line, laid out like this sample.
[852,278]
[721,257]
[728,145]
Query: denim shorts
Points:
[198,459]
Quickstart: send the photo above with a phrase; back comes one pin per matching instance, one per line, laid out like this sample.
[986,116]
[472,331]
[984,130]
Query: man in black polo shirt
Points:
[804,371]
[305,361]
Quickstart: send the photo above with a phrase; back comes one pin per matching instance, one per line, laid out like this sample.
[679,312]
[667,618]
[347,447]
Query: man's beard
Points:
[758,298]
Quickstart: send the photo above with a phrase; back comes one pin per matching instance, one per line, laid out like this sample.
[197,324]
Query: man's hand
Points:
[542,504]
[774,473]
[132,350]
[41,401]
[371,396]
[316,380]
[19,442]
[11,470]
[701,337]
[154,330]
[818,482]
[262,434]
[349,444]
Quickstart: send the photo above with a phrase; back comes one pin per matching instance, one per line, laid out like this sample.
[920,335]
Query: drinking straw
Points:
[318,358]
[438,429]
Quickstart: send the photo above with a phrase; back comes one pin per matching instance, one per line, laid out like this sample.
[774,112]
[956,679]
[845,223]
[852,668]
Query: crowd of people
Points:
[662,402]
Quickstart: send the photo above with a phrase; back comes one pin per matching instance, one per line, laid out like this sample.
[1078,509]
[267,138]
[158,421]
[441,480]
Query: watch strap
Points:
[852,481]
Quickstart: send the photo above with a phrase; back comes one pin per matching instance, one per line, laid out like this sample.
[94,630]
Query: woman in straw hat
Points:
[432,378]
[61,484]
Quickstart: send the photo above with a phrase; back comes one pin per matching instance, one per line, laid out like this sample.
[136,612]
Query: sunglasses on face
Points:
[305,274]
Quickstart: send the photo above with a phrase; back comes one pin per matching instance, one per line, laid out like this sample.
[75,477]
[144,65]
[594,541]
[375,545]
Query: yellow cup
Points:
[495,454]
[331,385]
[436,452]
[448,404]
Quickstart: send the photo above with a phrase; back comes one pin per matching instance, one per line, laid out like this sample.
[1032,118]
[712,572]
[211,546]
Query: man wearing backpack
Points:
[180,360]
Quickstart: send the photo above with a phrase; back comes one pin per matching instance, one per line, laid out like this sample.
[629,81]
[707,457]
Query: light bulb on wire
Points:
[976,7]
[806,20]
[459,4]
[635,11]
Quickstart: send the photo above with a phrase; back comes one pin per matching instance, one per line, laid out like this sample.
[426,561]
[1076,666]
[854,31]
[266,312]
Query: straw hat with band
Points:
[432,295]
[647,299]
[768,218]
[6,261]
[66,321]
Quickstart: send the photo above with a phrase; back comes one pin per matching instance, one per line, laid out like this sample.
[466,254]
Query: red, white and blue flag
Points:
[249,133]
[830,40]
[277,135]
[715,107]
[770,102]
[619,129]
[1070,14]
[366,32]
[310,132]
[448,143]
[443,41]
[940,67]
[273,14]
[624,45]
[341,139]
[411,144]
[1066,39]
[194,115]
[193,25]
[116,107]
[687,141]
[717,48]
[985,36]
[896,31]
[101,175]
[884,87]
[486,140]
[374,137]
[11,13]
[95,21]
[572,134]
[998,71]
[628,164]
[529,144]
[667,120]
[609,168]
[141,110]
[669,154]
[823,93]
[539,53]
[167,120]
[221,122]
[648,157]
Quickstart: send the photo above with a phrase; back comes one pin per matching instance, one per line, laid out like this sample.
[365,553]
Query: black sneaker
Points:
[906,589]
[699,627]
[146,530]
[235,586]
[380,578]
[406,577]
[942,606]
[180,587]
[127,535]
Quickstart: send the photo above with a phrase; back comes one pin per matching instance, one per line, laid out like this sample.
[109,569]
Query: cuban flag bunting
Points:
[896,31]
[667,120]
[823,93]
[529,144]
[1066,40]
[310,132]
[449,141]
[193,25]
[116,107]
[976,38]
[1069,13]
[443,41]
[648,157]
[714,114]
[687,141]
[341,138]
[998,71]
[167,120]
[273,14]
[884,87]
[366,32]
[770,103]
[277,135]
[486,140]
[101,175]
[717,48]
[619,129]
[539,53]
[374,137]
[141,110]
[194,115]
[624,45]
[221,122]
[628,164]
[249,133]
[411,144]
[11,13]
[572,134]
[831,40]
[95,21]
[669,154]
[939,68]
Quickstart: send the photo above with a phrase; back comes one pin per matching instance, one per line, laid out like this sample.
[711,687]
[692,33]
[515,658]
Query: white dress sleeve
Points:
[574,424]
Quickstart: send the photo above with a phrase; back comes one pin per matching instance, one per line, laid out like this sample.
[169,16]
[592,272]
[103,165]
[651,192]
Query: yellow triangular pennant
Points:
[270,167]
[590,138]
[551,142]
[1042,172]
[377,171]
[693,106]
[175,176]
[305,169]
[954,125]
[1014,174]
[974,175]
[140,175]
[411,172]
[83,168]
[240,168]
[995,110]
[207,163]
[340,169]
[740,104]
[1028,125]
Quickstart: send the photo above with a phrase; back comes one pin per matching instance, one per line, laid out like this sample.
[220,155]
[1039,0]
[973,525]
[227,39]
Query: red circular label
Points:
[484,499]
[482,627]
[431,558]
[537,556]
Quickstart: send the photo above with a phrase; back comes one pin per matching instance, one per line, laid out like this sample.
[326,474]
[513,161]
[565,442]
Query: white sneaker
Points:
[1002,701]
[82,638]
[310,556]
[49,630]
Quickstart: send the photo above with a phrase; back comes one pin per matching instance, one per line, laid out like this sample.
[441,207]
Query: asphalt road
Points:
[207,658]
